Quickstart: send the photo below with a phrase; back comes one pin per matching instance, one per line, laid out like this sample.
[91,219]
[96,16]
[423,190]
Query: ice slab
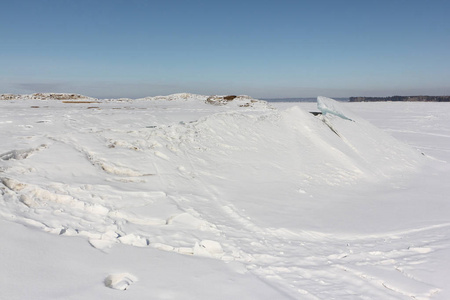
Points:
[330,106]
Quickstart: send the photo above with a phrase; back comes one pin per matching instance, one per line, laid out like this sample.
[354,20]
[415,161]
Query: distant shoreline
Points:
[309,99]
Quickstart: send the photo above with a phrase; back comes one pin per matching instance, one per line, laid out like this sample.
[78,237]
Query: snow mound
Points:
[366,144]
[46,96]
[241,101]
[238,101]
[174,97]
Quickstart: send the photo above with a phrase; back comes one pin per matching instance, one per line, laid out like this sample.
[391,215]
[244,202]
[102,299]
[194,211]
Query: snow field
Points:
[296,200]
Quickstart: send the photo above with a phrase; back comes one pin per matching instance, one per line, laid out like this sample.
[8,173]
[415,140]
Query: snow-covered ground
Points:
[178,197]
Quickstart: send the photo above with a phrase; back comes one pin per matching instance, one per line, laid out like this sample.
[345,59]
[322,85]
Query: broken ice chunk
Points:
[330,106]
[120,281]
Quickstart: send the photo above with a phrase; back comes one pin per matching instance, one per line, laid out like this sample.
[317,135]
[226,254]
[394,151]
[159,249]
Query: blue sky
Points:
[266,49]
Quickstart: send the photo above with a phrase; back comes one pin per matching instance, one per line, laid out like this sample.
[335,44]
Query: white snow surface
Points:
[170,197]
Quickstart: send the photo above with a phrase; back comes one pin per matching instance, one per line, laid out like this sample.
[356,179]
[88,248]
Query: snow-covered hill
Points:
[282,203]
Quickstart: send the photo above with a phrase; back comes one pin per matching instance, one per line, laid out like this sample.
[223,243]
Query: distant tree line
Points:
[402,98]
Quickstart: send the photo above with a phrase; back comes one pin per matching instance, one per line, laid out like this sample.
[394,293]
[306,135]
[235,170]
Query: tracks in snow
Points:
[314,265]
[311,265]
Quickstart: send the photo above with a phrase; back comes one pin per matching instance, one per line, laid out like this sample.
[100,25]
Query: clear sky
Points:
[266,49]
